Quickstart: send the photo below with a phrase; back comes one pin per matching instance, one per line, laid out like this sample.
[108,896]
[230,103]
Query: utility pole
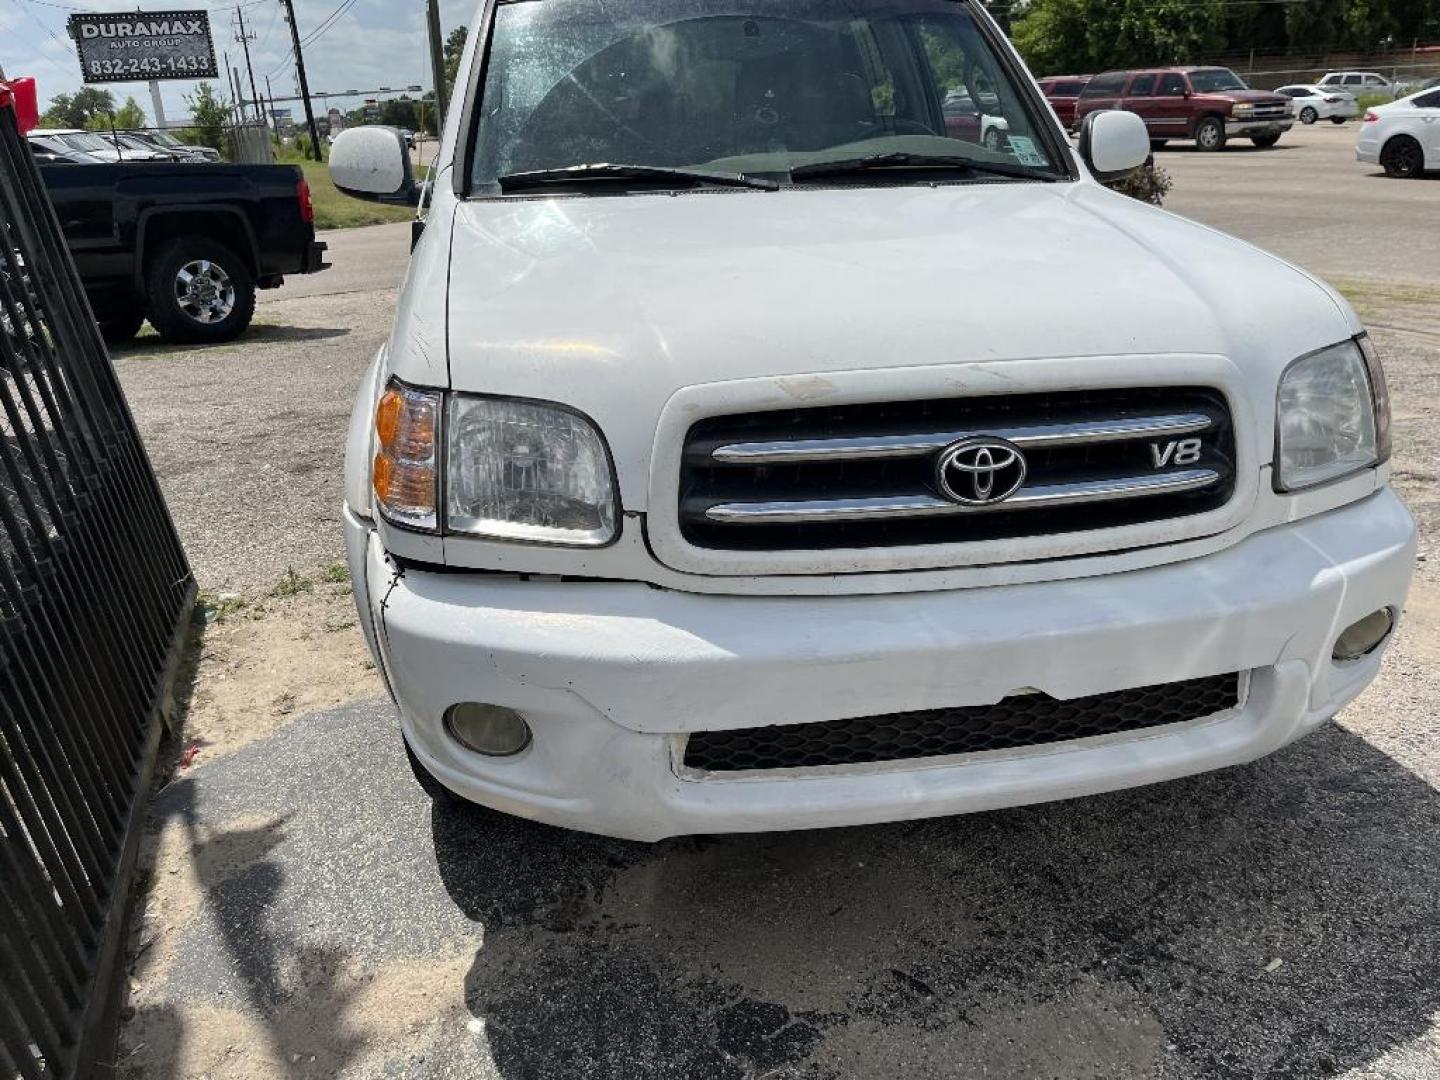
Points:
[437,60]
[230,81]
[244,40]
[304,83]
[270,98]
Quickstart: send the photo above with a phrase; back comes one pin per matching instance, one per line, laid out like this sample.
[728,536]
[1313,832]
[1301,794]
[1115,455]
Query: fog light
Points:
[487,729]
[1365,636]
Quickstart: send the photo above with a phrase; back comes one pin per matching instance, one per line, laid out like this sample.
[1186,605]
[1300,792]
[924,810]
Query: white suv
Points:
[754,450]
[1358,82]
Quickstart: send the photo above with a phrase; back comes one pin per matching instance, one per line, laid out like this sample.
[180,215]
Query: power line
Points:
[325,24]
[334,17]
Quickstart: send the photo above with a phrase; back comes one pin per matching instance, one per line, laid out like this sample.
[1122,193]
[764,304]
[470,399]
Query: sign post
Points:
[157,104]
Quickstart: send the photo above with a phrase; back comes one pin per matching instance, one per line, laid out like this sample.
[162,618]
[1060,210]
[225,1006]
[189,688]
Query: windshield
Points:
[1215,80]
[86,142]
[162,138]
[743,86]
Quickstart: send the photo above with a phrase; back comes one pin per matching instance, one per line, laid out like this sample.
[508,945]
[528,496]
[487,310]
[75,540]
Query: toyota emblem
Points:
[980,472]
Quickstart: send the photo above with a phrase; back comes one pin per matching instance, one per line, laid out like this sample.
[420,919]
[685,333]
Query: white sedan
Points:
[1403,136]
[1320,103]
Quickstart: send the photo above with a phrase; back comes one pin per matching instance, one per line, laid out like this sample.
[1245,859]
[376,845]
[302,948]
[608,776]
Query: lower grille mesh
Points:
[1025,720]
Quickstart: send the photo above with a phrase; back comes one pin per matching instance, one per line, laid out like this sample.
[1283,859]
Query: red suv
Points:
[1062,91]
[1207,104]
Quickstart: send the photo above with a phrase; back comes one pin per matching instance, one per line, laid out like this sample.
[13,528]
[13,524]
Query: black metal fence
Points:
[95,592]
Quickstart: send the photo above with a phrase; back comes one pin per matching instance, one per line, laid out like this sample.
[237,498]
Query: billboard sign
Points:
[142,45]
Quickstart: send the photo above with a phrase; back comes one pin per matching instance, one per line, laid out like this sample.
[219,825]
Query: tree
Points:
[78,109]
[126,118]
[454,49]
[1093,35]
[209,117]
[399,112]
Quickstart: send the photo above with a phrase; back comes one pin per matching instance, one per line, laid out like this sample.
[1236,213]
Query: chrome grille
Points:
[858,476]
[1276,111]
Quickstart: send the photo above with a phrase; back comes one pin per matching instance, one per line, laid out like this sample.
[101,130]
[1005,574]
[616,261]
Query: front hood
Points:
[612,304]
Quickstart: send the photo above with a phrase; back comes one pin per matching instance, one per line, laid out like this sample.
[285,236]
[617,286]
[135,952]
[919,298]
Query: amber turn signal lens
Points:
[403,472]
[387,416]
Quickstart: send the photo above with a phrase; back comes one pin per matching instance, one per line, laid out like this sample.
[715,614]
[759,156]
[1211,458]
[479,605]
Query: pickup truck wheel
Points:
[1210,134]
[1265,141]
[199,291]
[1308,115]
[1402,157]
[118,329]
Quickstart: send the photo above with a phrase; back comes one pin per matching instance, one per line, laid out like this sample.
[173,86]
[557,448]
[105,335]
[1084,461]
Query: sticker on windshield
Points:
[1023,147]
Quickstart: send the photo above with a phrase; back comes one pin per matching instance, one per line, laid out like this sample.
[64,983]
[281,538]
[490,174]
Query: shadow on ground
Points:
[310,926]
[1102,937]
[258,333]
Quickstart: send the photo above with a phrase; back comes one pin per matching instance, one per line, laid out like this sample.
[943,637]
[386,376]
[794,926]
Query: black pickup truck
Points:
[183,245]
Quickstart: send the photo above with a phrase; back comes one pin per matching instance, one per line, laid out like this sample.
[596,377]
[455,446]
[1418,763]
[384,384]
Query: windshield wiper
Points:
[606,170]
[901,160]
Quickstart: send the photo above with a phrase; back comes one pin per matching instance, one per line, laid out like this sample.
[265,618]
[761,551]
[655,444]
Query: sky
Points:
[372,43]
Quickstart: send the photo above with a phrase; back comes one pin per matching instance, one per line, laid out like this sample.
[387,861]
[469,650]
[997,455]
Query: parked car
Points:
[1208,105]
[66,140]
[183,245]
[964,120]
[1402,136]
[52,154]
[750,454]
[1312,103]
[163,140]
[1062,91]
[1359,82]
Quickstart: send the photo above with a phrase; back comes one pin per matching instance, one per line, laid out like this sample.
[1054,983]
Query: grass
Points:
[336,211]
[336,573]
[1369,101]
[292,584]
[216,606]
[1371,298]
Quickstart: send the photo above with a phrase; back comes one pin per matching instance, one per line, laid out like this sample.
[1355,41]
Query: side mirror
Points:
[1113,143]
[373,163]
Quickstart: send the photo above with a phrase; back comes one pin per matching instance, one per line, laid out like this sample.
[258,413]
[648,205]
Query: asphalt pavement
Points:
[312,915]
[1308,200]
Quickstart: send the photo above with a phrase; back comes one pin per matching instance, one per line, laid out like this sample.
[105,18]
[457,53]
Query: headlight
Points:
[1332,418]
[1242,110]
[522,470]
[403,472]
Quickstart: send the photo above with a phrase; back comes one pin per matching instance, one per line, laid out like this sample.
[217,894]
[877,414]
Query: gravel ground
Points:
[248,438]
[311,915]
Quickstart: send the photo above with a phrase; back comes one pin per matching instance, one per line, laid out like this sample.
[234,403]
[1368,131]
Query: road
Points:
[1309,201]
[310,914]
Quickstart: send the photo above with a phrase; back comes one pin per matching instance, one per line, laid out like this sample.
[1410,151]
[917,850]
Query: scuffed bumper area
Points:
[612,677]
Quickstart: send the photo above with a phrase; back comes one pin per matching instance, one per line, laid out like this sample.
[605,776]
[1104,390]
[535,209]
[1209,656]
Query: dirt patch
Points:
[333,1017]
[840,921]
[265,660]
[1100,1033]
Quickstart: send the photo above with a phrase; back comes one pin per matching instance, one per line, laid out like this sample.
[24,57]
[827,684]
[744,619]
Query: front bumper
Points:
[613,675]
[1248,127]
